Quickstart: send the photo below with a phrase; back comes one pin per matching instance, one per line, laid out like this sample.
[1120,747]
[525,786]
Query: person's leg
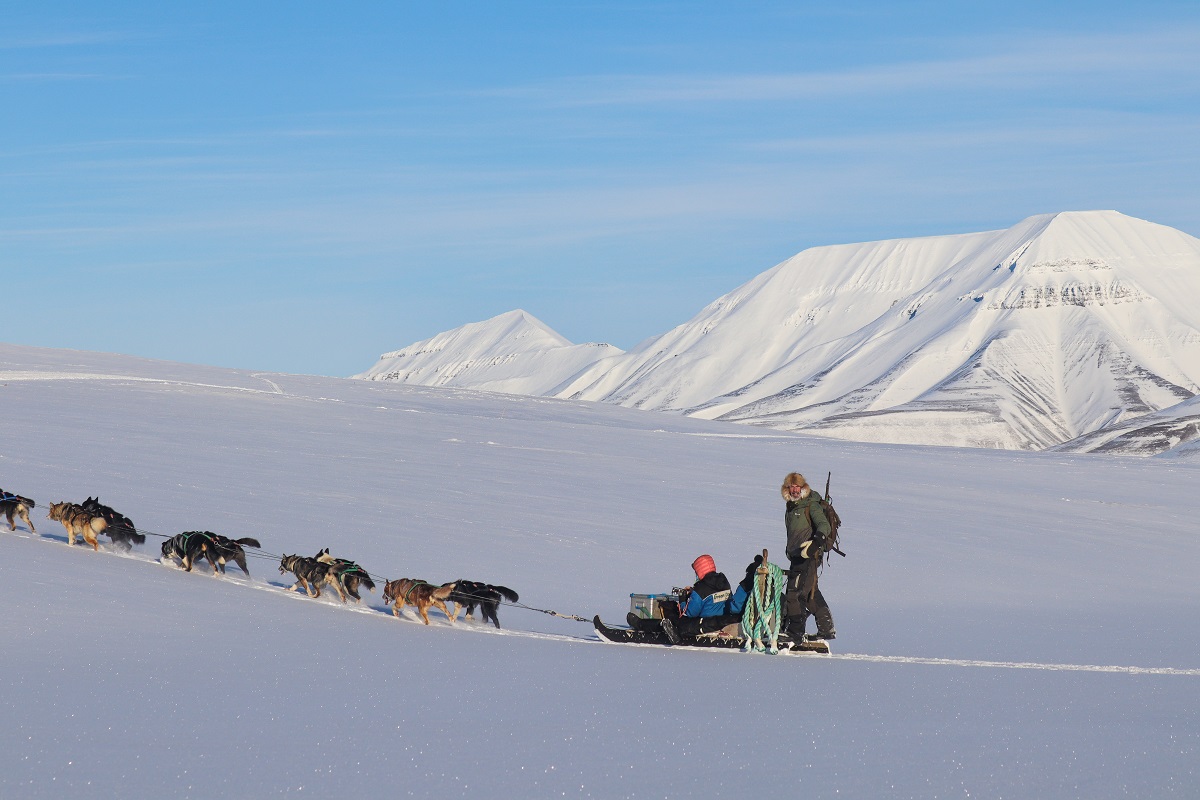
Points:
[820,610]
[796,609]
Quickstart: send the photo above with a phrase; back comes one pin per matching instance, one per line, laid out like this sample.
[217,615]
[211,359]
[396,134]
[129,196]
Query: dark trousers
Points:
[692,627]
[800,605]
[688,627]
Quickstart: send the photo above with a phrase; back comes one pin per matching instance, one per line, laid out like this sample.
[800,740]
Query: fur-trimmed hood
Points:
[795,479]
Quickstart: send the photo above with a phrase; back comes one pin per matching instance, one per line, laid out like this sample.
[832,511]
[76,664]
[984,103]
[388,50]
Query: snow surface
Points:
[1011,624]
[1027,338]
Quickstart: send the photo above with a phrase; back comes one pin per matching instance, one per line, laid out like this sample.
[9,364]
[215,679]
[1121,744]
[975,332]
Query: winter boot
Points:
[795,628]
[825,624]
[669,630]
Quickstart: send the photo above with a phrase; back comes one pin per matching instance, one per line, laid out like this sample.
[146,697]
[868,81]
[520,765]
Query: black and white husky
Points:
[469,594]
[219,550]
[349,576]
[120,527]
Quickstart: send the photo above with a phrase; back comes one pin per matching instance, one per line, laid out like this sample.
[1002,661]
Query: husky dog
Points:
[175,549]
[347,574]
[468,594]
[223,549]
[120,527]
[418,593]
[186,548]
[14,504]
[78,522]
[217,549]
[310,574]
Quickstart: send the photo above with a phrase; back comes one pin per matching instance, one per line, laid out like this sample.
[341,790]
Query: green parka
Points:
[803,518]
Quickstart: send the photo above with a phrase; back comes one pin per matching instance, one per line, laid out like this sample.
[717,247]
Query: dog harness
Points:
[413,588]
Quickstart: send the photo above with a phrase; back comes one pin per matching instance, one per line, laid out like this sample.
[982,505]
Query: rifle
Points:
[832,544]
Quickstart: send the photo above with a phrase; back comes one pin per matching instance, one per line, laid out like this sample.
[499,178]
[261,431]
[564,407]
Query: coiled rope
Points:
[763,615]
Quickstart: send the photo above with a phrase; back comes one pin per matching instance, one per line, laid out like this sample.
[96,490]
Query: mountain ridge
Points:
[1022,338]
[502,354]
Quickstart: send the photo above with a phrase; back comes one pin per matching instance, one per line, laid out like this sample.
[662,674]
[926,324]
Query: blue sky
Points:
[300,187]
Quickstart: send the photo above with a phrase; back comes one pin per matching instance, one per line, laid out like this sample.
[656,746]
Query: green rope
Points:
[763,615]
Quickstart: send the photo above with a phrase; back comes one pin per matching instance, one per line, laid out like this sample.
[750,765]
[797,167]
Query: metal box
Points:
[649,606]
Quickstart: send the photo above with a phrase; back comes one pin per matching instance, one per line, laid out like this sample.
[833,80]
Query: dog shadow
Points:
[326,594]
[60,538]
[409,614]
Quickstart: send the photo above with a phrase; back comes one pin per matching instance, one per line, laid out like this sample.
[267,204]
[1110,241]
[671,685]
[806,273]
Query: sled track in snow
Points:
[963,662]
[328,601]
[938,662]
[260,584]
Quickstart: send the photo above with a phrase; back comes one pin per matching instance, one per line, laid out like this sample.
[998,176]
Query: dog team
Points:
[91,519]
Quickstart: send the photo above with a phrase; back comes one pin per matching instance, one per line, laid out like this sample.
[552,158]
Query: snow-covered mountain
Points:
[514,353]
[1174,431]
[1028,338]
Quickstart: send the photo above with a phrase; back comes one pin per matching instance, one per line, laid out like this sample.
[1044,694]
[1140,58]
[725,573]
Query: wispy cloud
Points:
[1087,130]
[64,40]
[1035,61]
[48,77]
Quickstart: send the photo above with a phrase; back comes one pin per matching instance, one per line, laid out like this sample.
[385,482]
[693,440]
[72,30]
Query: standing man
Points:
[807,532]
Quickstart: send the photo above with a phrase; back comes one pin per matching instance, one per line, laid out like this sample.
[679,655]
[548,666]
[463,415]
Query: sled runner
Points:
[723,638]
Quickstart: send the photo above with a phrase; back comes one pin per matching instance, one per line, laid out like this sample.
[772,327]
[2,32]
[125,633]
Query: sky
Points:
[229,184]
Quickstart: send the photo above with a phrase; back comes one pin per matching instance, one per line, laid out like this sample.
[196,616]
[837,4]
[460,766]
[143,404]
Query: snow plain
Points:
[1011,625]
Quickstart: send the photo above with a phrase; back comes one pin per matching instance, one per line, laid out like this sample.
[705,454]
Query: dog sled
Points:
[759,628]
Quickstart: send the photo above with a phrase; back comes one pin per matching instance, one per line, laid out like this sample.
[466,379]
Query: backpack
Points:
[832,543]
